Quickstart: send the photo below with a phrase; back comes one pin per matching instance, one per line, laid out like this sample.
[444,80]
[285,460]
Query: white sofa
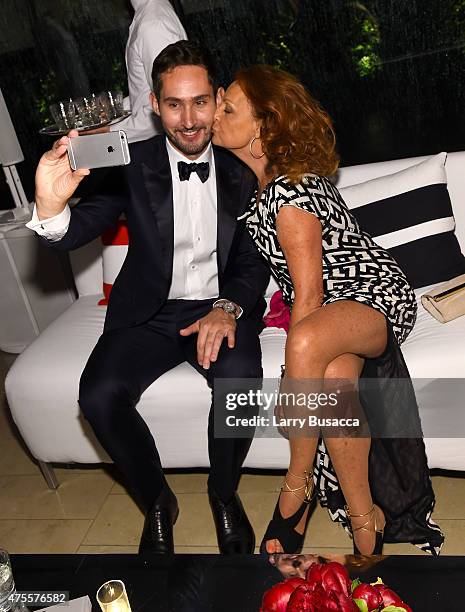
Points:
[42,385]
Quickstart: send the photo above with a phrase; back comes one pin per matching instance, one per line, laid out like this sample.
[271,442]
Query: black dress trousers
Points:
[127,361]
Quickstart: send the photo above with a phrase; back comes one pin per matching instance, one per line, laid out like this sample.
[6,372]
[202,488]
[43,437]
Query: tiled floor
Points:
[91,512]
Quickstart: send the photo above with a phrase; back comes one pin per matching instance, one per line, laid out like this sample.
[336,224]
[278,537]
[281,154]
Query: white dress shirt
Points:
[155,26]
[195,267]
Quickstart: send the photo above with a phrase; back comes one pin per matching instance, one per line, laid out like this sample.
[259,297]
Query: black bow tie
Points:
[185,170]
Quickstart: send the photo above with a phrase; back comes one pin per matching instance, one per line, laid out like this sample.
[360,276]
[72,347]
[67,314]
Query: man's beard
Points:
[189,148]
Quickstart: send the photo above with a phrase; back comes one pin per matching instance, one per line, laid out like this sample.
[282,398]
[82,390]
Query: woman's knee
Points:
[307,343]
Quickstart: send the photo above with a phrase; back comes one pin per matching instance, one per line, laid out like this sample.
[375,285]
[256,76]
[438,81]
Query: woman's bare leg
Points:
[349,329]
[349,457]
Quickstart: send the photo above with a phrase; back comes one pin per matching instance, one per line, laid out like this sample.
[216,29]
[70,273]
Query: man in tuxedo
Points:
[191,288]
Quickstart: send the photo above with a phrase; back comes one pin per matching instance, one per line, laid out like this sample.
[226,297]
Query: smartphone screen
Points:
[99,150]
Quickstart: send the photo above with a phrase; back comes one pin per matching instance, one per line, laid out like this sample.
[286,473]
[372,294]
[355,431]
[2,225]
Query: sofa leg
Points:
[48,474]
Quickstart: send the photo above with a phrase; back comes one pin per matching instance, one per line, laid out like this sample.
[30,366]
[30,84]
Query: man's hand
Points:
[212,329]
[55,181]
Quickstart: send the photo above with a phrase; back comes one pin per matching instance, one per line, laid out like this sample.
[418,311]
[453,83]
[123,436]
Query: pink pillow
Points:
[115,247]
[279,313]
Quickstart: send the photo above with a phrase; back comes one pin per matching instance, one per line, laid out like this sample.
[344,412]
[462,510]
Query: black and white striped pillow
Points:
[409,213]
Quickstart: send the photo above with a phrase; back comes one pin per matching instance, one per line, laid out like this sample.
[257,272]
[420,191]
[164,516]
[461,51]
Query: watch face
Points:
[229,307]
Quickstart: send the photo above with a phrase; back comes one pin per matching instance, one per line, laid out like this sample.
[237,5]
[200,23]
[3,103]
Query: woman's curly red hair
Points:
[297,134]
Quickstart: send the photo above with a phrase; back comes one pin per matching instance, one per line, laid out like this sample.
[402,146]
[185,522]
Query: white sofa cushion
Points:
[42,390]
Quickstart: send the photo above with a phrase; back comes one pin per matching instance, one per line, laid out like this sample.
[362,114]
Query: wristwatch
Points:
[229,307]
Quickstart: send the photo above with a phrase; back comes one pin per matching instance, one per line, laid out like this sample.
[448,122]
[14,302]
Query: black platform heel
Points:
[283,529]
[379,537]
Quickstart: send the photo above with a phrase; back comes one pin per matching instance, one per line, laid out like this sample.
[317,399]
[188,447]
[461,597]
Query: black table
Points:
[191,583]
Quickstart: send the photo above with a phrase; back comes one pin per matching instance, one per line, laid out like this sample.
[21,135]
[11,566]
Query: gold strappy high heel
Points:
[307,487]
[379,540]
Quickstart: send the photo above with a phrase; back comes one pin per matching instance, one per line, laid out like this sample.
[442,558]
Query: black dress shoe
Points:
[233,529]
[157,535]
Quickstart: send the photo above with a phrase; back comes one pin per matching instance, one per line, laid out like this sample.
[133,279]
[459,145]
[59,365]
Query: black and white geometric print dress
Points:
[356,268]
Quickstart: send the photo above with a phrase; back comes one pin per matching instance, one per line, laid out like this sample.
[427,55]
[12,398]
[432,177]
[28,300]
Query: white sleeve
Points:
[53,228]
[152,38]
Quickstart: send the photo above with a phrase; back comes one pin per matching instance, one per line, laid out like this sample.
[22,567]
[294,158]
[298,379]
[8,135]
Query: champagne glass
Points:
[112,597]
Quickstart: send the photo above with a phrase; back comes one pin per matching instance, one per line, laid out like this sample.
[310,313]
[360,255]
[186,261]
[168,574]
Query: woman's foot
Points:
[290,515]
[367,530]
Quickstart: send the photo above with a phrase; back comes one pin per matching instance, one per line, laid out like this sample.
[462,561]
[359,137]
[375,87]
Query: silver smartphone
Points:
[99,150]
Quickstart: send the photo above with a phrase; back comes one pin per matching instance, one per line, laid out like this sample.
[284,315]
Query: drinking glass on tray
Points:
[64,114]
[87,110]
[116,101]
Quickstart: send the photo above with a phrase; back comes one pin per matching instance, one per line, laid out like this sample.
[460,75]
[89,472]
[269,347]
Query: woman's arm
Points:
[300,236]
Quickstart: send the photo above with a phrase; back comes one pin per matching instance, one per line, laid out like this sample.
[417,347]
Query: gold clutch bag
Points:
[447,301]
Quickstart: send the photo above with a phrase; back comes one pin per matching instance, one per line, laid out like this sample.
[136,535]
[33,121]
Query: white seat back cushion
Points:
[455,170]
[87,264]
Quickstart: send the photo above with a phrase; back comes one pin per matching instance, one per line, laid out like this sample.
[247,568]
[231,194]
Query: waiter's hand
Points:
[212,329]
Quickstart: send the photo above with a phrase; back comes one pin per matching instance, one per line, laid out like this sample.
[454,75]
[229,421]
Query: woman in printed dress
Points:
[350,302]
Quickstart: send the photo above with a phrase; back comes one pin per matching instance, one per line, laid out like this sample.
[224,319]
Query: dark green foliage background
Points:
[390,72]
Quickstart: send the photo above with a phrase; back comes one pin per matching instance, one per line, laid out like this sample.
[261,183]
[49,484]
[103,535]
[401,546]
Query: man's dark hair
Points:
[182,53]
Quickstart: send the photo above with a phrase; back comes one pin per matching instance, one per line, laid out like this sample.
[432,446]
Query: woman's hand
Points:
[55,181]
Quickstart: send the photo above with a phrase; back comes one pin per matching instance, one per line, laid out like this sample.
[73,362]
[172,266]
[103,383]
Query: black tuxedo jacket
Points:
[143,283]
